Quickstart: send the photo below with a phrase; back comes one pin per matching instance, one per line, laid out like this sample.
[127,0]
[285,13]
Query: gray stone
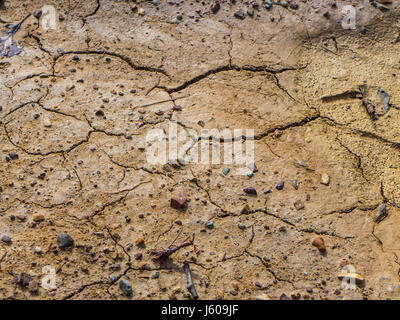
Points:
[6,239]
[64,240]
[125,286]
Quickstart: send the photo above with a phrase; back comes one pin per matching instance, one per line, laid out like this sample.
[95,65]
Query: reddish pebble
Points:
[178,201]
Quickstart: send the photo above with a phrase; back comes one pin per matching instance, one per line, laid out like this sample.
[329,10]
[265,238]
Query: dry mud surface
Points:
[78,101]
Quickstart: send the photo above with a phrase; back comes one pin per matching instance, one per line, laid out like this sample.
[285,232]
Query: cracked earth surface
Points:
[78,102]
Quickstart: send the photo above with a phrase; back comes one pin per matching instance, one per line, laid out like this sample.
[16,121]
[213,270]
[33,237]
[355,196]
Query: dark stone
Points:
[138,256]
[250,190]
[42,175]
[284,297]
[239,14]
[280,185]
[64,240]
[125,286]
[215,7]
[6,239]
[100,113]
[24,279]
[296,296]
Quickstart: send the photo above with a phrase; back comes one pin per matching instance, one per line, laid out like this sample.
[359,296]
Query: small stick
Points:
[158,102]
[15,28]
[190,285]
[164,253]
[155,86]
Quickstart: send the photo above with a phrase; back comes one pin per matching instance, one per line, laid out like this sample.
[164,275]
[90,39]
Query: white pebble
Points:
[47,123]
[325,179]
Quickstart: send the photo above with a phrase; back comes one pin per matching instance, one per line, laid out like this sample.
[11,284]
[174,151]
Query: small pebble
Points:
[280,185]
[139,241]
[178,201]
[47,123]
[325,179]
[294,184]
[126,287]
[38,217]
[381,214]
[64,240]
[215,7]
[239,14]
[13,155]
[34,286]
[209,224]
[298,204]
[250,190]
[293,5]
[252,166]
[268,4]
[319,243]
[6,239]
[284,297]
[138,256]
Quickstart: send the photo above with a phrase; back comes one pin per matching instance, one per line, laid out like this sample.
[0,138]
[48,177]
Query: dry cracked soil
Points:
[79,100]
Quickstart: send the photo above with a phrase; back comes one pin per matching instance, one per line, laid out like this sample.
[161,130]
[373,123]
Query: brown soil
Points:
[285,73]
